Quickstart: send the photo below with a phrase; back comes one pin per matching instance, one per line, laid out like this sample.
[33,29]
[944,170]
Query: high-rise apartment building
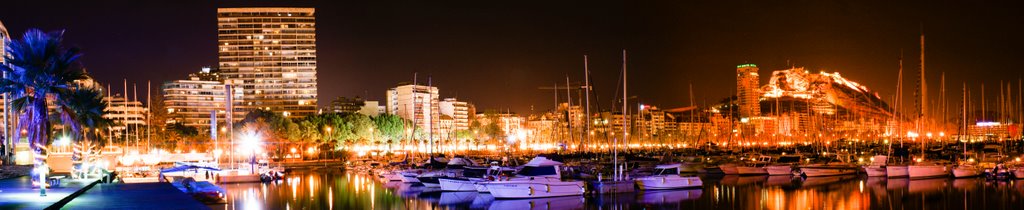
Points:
[417,103]
[270,53]
[458,111]
[127,114]
[747,90]
[200,99]
[3,42]
[4,38]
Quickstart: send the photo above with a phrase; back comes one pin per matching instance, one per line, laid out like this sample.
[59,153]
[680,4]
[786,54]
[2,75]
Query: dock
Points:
[18,193]
[148,196]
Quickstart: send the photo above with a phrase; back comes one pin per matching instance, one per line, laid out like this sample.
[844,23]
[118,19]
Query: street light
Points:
[252,142]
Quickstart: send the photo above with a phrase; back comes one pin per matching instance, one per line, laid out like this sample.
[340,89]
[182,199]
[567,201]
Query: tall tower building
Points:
[270,53]
[3,42]
[748,90]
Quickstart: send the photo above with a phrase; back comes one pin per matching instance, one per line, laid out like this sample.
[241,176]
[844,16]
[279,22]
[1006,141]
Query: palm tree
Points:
[86,106]
[40,72]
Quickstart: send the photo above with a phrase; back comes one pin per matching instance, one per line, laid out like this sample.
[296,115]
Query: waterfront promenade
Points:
[134,196]
[18,193]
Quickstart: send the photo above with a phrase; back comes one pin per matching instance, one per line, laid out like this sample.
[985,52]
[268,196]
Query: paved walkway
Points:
[149,196]
[17,193]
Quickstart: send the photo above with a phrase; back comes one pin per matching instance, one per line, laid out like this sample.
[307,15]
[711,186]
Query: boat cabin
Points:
[541,167]
[670,169]
[789,159]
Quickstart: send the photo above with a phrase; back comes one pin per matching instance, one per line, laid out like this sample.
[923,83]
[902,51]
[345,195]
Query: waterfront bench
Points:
[54,181]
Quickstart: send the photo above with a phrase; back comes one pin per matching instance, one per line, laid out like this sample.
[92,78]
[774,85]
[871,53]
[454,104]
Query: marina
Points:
[326,189]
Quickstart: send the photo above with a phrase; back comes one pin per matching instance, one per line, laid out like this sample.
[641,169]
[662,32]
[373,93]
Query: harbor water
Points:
[334,189]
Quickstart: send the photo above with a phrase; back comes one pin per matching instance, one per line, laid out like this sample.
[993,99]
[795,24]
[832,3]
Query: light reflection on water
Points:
[338,190]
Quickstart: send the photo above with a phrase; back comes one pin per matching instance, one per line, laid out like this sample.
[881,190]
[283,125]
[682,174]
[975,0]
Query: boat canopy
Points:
[879,159]
[542,161]
[187,167]
[667,166]
[459,161]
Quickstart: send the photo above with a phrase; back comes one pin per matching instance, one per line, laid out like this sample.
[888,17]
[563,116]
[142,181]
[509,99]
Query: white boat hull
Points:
[1018,173]
[815,172]
[750,170]
[875,171]
[779,170]
[393,177]
[668,182]
[964,172]
[236,177]
[481,188]
[927,171]
[408,179]
[534,189]
[447,184]
[896,171]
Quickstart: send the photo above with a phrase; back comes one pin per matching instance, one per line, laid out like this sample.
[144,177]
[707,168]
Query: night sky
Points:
[497,53]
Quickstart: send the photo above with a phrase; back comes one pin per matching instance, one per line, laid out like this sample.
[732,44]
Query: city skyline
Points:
[510,50]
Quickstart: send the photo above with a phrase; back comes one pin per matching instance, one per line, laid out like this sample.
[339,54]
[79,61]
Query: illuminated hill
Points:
[797,90]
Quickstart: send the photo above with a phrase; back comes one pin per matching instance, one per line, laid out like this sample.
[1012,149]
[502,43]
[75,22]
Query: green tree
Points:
[390,128]
[88,107]
[281,127]
[40,70]
[492,128]
[362,127]
[310,131]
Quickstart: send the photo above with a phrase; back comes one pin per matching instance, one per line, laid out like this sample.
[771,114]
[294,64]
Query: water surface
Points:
[333,189]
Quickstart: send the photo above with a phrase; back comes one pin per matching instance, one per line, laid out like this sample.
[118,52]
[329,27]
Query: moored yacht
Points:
[828,169]
[893,171]
[783,165]
[453,168]
[471,175]
[754,167]
[539,178]
[667,177]
[729,168]
[927,170]
[967,170]
[876,167]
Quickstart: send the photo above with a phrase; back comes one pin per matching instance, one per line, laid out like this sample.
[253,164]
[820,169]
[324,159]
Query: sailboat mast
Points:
[963,123]
[568,110]
[899,100]
[430,112]
[625,121]
[586,82]
[415,83]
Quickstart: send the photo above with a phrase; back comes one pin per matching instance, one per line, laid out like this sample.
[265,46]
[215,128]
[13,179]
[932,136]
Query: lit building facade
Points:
[270,53]
[372,108]
[416,103]
[347,105]
[193,102]
[125,114]
[457,110]
[747,90]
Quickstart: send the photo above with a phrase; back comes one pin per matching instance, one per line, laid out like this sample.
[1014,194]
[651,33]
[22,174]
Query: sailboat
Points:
[893,171]
[966,167]
[922,169]
[617,184]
